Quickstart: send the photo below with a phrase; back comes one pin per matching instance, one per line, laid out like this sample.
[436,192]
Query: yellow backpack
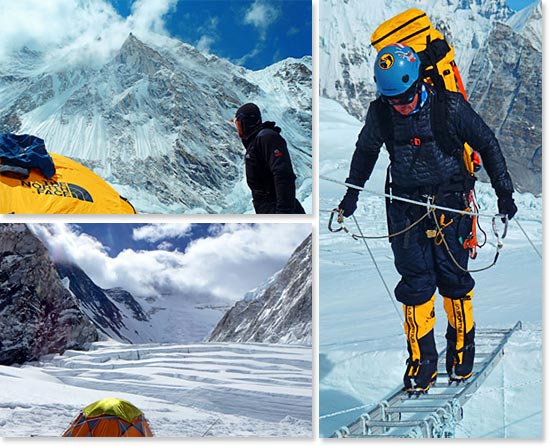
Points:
[414,29]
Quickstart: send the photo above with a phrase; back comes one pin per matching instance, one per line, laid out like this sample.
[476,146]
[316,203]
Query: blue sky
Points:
[252,33]
[517,5]
[117,237]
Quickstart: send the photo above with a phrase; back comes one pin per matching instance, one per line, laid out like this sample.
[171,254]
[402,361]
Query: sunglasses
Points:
[405,98]
[400,100]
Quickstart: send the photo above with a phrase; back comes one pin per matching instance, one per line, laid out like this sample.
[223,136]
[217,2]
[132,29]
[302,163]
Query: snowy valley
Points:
[151,351]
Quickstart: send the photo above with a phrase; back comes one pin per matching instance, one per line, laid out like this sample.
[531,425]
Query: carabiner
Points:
[340,220]
[505,220]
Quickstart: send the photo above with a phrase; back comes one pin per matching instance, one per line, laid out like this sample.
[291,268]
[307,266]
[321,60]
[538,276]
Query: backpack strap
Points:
[434,52]
[384,116]
[439,123]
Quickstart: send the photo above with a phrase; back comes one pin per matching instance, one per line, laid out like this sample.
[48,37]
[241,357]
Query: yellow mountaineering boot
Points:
[423,358]
[460,336]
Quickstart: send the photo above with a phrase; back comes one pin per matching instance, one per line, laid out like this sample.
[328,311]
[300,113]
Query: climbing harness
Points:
[441,239]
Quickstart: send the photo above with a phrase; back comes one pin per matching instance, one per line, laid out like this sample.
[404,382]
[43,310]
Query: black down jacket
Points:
[416,160]
[269,172]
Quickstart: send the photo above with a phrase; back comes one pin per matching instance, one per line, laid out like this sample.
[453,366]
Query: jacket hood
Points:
[251,134]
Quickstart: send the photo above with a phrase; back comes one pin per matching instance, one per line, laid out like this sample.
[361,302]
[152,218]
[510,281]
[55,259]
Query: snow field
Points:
[217,389]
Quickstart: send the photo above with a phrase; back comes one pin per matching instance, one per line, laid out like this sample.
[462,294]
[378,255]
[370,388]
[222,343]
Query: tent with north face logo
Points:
[110,417]
[73,189]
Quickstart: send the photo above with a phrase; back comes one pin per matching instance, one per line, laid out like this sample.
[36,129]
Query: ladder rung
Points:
[493,332]
[413,409]
[435,396]
[407,423]
[376,436]
[445,385]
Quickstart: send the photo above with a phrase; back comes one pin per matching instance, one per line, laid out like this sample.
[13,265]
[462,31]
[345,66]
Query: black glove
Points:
[348,203]
[506,205]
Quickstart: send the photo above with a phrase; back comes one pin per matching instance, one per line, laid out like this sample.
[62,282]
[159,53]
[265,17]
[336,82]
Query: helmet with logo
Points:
[396,69]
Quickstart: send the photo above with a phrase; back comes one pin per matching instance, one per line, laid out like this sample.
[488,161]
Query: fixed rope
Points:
[341,412]
[340,220]
[431,210]
[379,272]
[405,200]
[528,238]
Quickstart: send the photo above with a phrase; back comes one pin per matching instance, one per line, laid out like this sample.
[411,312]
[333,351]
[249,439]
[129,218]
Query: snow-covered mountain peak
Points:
[38,315]
[529,23]
[495,10]
[140,57]
[153,119]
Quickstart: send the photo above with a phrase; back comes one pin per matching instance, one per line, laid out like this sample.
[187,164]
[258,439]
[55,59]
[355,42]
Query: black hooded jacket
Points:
[269,171]
[416,159]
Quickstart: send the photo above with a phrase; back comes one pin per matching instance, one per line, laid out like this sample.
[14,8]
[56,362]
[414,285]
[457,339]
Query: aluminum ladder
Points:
[435,414]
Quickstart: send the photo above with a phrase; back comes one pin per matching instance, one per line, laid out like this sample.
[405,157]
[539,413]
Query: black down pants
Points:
[424,265]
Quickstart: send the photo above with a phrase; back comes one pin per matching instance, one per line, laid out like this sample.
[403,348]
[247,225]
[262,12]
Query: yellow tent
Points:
[110,417]
[74,189]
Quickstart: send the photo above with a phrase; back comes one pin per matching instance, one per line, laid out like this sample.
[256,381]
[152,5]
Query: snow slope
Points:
[192,390]
[278,311]
[362,346]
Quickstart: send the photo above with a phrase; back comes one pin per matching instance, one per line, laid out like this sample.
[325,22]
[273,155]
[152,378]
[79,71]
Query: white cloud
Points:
[155,232]
[148,15]
[77,30]
[210,34]
[165,246]
[204,44]
[262,15]
[226,265]
[253,53]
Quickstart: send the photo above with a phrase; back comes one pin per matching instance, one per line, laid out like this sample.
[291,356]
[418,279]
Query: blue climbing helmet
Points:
[396,69]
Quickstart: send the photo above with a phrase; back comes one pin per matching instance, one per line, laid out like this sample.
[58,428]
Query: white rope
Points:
[406,200]
[379,271]
[341,412]
[528,238]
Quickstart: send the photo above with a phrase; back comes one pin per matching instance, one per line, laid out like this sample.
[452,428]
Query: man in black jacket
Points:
[268,166]
[420,167]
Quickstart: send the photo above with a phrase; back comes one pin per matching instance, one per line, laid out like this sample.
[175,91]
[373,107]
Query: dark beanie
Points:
[249,114]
